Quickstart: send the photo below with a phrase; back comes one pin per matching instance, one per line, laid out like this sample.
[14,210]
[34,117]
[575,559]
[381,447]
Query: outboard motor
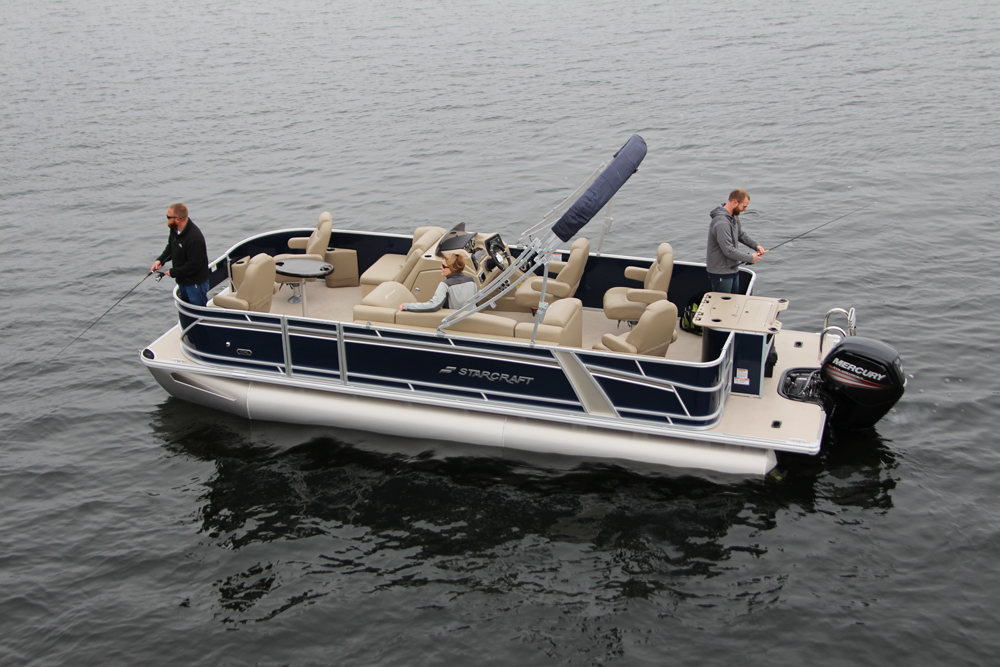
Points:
[862,379]
[859,381]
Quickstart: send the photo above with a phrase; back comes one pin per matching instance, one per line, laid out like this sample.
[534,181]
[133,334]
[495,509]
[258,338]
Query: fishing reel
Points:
[159,275]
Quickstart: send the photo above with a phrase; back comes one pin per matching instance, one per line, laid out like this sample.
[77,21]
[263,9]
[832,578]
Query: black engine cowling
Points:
[862,378]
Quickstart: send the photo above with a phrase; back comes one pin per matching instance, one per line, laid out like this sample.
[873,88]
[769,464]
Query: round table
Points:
[302,268]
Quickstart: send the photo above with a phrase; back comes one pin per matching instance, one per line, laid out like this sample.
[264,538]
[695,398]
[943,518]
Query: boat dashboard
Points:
[485,254]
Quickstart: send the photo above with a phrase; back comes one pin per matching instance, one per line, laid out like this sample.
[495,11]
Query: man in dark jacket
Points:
[186,249]
[724,254]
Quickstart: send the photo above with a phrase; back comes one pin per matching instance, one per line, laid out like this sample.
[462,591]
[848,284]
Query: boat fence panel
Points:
[233,345]
[314,353]
[444,365]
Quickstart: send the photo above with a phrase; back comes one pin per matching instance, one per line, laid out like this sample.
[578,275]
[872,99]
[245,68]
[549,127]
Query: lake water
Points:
[137,529]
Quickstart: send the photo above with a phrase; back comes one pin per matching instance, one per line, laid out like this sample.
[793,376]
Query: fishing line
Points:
[159,275]
[823,225]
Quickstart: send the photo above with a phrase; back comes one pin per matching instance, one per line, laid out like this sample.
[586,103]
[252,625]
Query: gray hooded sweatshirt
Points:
[724,254]
[453,292]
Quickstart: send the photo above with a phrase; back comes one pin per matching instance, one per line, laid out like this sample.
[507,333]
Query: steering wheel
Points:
[498,255]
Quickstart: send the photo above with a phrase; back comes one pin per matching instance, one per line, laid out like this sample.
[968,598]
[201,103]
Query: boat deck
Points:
[338,303]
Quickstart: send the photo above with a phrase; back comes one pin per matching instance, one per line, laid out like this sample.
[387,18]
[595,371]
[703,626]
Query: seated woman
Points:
[456,290]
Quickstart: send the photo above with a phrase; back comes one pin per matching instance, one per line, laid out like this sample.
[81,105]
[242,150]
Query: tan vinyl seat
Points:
[237,270]
[626,303]
[382,303]
[314,245]
[652,335]
[563,324]
[255,290]
[565,282]
[397,268]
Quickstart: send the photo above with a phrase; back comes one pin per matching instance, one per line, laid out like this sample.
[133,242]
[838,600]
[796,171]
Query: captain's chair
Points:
[565,282]
[626,303]
[255,290]
[652,335]
[315,246]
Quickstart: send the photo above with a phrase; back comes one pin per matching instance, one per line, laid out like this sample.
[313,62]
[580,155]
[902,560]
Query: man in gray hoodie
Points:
[724,255]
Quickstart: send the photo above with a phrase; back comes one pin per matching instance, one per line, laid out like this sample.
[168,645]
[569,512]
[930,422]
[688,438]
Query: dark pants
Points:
[727,283]
[196,295]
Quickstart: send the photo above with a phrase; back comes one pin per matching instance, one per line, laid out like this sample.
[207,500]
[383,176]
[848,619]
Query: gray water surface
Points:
[137,529]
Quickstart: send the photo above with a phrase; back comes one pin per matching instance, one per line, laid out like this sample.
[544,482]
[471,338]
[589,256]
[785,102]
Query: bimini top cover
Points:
[625,163]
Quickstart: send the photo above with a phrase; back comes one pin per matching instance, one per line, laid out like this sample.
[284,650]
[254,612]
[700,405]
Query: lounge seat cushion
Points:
[393,267]
[382,305]
[563,324]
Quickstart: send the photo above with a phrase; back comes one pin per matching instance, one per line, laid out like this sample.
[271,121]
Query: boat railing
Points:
[852,326]
[832,329]
[432,368]
[852,319]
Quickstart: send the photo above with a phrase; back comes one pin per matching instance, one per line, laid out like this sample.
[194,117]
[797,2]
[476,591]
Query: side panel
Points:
[438,365]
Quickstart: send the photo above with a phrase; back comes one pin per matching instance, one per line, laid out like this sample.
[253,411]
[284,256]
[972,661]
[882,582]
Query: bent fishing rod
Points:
[159,276]
[823,225]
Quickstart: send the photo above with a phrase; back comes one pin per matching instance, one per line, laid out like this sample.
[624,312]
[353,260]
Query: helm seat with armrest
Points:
[628,303]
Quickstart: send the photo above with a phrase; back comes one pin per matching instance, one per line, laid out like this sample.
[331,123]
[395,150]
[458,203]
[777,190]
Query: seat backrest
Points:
[572,273]
[658,276]
[420,231]
[567,314]
[417,250]
[428,237]
[654,331]
[319,240]
[257,287]
[237,270]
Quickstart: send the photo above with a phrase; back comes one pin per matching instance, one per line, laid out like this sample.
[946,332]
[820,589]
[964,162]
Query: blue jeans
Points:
[728,283]
[196,295]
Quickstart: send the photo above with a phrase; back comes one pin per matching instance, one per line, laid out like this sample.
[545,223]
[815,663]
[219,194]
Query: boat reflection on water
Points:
[325,516]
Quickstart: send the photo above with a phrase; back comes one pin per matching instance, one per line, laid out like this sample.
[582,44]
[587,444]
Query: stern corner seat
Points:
[256,286]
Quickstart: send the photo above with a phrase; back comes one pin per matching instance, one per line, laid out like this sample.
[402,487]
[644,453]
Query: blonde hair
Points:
[455,263]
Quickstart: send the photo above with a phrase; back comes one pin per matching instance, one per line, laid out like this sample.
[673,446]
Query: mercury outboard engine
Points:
[859,381]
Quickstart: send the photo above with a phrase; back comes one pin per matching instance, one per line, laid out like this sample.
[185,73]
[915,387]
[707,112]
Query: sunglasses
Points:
[173,217]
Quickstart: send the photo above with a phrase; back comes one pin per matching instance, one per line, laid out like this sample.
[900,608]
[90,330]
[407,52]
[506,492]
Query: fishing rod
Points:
[823,225]
[159,276]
